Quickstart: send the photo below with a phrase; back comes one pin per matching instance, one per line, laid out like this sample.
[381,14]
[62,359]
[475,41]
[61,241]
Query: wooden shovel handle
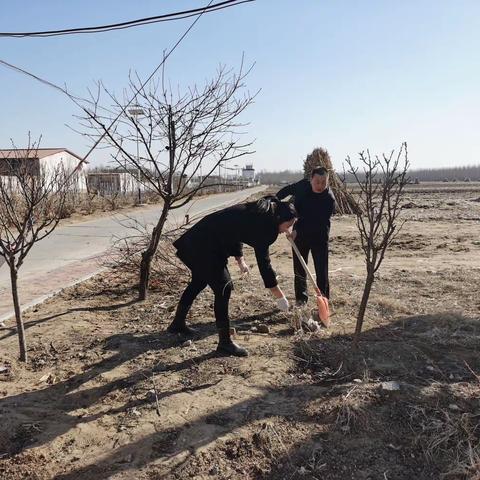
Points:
[304,265]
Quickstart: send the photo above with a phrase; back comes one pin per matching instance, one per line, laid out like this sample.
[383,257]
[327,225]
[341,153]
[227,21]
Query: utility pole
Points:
[136,111]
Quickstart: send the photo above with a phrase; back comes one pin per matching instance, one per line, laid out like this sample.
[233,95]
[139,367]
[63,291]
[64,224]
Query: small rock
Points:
[254,329]
[188,343]
[121,428]
[214,470]
[429,367]
[262,328]
[357,380]
[45,377]
[311,325]
[151,394]
[454,407]
[3,369]
[2,325]
[394,447]
[391,386]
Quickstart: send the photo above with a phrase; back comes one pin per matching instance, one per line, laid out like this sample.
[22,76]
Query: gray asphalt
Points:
[71,248]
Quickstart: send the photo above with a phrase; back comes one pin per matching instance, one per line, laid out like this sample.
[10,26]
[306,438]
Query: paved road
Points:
[72,252]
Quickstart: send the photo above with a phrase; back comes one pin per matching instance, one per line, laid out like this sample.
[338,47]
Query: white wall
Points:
[70,163]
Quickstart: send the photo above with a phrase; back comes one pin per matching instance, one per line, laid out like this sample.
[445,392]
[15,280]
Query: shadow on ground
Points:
[404,405]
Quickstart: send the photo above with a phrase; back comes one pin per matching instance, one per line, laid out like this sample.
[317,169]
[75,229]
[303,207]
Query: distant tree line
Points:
[276,178]
[453,174]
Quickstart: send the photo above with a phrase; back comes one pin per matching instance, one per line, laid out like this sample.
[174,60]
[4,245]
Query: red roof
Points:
[35,153]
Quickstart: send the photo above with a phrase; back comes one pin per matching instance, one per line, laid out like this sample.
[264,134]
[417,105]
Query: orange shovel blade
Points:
[323,310]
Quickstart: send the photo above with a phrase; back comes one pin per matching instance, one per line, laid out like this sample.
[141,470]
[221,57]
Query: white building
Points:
[43,160]
[248,173]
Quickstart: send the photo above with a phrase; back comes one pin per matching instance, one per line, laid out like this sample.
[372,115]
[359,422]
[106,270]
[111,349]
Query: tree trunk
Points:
[363,306]
[148,254]
[18,312]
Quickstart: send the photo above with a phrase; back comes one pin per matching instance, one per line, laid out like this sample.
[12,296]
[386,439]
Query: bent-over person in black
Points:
[205,249]
[315,204]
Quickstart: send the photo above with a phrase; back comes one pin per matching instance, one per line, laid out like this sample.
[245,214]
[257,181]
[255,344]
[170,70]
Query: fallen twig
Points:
[156,394]
[471,370]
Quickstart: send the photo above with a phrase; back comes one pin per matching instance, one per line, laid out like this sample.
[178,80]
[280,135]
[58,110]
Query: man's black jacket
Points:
[221,234]
[314,209]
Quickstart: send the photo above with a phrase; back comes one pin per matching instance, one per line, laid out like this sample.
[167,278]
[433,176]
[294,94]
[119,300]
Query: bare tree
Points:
[380,184]
[32,200]
[175,141]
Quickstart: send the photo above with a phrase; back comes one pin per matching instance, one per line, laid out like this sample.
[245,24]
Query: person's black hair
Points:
[319,171]
[276,209]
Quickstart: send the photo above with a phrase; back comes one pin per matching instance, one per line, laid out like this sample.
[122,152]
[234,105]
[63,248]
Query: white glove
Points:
[282,304]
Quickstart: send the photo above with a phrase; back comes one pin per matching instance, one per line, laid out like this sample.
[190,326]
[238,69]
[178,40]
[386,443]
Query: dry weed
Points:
[352,412]
[446,435]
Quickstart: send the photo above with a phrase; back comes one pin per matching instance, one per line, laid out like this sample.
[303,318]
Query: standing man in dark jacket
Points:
[205,249]
[315,204]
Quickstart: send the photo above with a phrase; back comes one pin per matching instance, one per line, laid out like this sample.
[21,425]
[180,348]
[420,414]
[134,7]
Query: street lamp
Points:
[135,111]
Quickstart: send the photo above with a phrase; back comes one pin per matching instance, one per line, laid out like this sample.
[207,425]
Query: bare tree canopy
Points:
[181,135]
[380,183]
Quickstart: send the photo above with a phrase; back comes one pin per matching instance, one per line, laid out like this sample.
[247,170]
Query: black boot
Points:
[178,324]
[227,347]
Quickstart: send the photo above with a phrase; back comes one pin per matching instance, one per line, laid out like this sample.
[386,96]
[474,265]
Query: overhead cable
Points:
[168,17]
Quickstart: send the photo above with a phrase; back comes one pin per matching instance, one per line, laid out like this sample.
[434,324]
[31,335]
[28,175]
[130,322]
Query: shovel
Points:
[322,301]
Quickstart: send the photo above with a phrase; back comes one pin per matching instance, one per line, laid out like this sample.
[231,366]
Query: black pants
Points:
[215,274]
[319,249]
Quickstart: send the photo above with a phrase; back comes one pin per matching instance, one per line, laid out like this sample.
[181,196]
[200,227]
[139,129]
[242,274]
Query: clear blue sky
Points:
[343,74]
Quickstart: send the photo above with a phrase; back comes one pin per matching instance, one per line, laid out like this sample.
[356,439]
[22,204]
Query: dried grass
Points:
[345,203]
[124,256]
[353,412]
[448,436]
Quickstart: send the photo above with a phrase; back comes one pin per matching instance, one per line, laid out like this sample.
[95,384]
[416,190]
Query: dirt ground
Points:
[108,394]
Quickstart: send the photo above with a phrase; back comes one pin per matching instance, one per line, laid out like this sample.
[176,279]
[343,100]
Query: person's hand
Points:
[282,304]
[244,268]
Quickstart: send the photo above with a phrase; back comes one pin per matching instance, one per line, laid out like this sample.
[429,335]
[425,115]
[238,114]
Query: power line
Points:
[77,100]
[128,24]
